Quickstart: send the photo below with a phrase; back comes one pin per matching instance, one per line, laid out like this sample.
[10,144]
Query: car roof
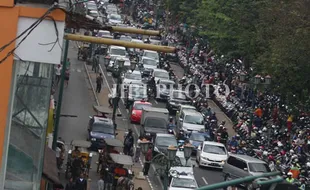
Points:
[213,143]
[138,41]
[156,109]
[164,135]
[187,106]
[118,47]
[191,112]
[102,120]
[160,70]
[166,81]
[104,31]
[247,158]
[142,102]
[134,72]
[144,57]
[150,51]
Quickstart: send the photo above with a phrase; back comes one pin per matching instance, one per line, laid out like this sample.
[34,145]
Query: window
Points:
[102,128]
[155,123]
[236,162]
[214,149]
[259,167]
[133,76]
[152,55]
[194,119]
[115,17]
[166,141]
[28,125]
[116,51]
[161,74]
[179,95]
[149,62]
[138,106]
[185,183]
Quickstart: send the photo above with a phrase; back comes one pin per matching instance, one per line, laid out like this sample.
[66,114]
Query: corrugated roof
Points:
[50,170]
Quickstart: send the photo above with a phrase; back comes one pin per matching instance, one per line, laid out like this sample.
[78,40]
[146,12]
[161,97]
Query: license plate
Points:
[214,164]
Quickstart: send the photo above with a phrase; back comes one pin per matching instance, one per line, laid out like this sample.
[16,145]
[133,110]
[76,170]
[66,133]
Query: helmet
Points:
[265,129]
[308,164]
[289,173]
[265,153]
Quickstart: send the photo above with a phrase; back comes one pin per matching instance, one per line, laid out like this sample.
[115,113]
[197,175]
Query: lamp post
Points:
[171,154]
[133,65]
[120,63]
[188,149]
[254,81]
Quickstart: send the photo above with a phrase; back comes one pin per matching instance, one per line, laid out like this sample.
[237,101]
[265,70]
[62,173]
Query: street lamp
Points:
[188,149]
[121,63]
[144,145]
[257,79]
[171,153]
[267,79]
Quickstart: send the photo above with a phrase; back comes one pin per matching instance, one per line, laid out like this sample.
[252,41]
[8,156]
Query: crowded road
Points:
[78,100]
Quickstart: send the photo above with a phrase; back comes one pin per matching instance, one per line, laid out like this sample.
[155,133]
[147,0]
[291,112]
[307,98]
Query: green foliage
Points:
[272,36]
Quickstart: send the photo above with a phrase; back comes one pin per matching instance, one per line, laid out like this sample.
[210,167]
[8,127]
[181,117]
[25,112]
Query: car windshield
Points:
[115,17]
[138,91]
[161,74]
[259,167]
[116,51]
[184,183]
[153,55]
[214,149]
[102,128]
[103,33]
[149,62]
[179,95]
[194,119]
[94,14]
[91,6]
[167,85]
[133,76]
[155,123]
[125,38]
[166,141]
[197,137]
[139,106]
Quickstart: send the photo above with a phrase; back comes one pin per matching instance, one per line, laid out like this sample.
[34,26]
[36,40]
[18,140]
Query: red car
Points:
[136,111]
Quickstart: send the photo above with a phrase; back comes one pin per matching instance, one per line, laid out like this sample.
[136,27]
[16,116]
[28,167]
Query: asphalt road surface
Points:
[78,100]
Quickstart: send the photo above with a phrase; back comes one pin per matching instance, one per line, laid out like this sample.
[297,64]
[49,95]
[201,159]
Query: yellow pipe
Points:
[135,31]
[95,40]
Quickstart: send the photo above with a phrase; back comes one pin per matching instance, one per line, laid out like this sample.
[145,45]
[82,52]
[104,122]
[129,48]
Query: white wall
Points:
[31,50]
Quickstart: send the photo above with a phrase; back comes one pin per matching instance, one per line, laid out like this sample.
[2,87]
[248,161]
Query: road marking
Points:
[155,102]
[204,180]
[78,70]
[109,74]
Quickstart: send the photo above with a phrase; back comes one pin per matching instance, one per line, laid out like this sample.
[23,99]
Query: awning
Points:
[50,170]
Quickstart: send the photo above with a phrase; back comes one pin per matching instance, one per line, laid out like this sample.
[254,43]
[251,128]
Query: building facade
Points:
[26,78]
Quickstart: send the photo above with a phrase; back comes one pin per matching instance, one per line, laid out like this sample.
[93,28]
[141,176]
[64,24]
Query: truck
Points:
[154,120]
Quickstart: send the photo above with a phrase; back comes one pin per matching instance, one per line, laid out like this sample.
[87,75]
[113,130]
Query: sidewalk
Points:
[102,99]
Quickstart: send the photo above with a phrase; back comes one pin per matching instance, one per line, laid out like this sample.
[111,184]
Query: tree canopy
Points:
[271,36]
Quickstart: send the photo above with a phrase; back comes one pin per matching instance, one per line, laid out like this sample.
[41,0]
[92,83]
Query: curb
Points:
[91,84]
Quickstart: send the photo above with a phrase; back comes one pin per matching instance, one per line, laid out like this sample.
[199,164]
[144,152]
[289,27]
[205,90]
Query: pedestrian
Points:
[138,149]
[80,183]
[148,159]
[128,142]
[100,183]
[70,185]
[58,73]
[99,82]
[67,76]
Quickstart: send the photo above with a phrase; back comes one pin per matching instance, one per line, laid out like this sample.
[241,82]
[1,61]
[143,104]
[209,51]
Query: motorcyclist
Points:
[171,125]
[233,142]
[181,135]
[224,136]
[76,152]
[290,178]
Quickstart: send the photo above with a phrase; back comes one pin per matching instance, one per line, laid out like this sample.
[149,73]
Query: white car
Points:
[102,33]
[151,54]
[149,63]
[117,51]
[125,38]
[160,74]
[115,19]
[183,181]
[211,154]
[132,77]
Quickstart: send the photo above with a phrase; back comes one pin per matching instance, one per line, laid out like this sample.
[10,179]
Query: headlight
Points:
[156,149]
[93,139]
[148,134]
[170,130]
[205,158]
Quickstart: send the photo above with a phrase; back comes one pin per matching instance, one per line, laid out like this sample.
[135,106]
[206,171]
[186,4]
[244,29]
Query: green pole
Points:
[278,179]
[166,177]
[61,89]
[237,181]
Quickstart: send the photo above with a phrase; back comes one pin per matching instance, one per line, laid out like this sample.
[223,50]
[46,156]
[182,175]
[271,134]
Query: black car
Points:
[100,128]
[176,99]
[162,142]
[135,92]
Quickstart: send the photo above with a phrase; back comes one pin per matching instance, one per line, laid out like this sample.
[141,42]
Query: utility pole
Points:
[61,89]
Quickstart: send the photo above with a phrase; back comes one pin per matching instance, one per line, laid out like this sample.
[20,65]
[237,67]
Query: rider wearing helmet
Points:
[181,135]
[290,178]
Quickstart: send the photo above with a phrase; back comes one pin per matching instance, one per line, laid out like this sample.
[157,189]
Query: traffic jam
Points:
[167,109]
